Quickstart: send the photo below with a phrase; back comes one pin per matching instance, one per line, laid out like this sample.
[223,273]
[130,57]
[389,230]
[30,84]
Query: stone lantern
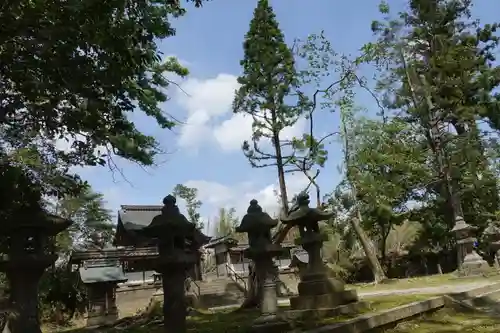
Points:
[492,236]
[258,224]
[27,249]
[179,242]
[317,290]
[469,261]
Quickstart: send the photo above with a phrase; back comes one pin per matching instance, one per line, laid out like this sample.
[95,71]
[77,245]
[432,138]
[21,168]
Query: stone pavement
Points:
[442,289]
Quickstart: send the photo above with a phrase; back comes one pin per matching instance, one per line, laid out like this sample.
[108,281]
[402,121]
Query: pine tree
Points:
[445,61]
[269,78]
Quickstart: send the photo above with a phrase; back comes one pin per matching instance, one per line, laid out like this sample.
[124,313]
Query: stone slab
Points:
[271,324]
[347,309]
[323,301]
[476,291]
[370,321]
[320,287]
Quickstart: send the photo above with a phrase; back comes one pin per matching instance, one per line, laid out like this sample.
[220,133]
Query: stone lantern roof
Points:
[461,225]
[256,218]
[42,222]
[302,213]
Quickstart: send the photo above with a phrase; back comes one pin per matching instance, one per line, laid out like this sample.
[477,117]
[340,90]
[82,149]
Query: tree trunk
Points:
[378,272]
[376,268]
[281,174]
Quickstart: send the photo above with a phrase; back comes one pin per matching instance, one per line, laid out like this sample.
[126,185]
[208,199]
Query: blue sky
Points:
[205,152]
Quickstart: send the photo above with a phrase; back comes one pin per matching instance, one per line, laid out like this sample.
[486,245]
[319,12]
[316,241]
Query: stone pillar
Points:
[269,320]
[23,280]
[174,297]
[470,263]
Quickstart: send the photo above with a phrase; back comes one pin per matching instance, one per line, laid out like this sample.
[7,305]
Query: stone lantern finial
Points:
[169,200]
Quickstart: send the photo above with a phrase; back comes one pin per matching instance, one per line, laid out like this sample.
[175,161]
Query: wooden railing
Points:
[236,277]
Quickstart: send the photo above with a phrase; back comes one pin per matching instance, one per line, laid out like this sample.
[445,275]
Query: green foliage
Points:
[74,71]
[190,195]
[92,221]
[88,75]
[437,72]
[226,223]
[387,166]
[62,295]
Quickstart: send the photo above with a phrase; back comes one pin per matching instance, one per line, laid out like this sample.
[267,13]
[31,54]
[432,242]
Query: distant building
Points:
[130,219]
[230,257]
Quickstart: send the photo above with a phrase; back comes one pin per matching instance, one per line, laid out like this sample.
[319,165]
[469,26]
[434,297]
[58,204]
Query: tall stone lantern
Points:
[469,261]
[179,242]
[317,290]
[492,236]
[27,249]
[258,224]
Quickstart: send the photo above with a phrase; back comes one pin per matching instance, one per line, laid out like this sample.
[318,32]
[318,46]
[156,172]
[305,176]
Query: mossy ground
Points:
[449,321]
[231,321]
[424,281]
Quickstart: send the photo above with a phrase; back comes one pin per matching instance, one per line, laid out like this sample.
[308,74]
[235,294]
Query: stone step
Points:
[487,299]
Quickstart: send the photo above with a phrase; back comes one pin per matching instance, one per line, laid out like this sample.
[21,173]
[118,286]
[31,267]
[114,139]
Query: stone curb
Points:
[373,320]
[474,292]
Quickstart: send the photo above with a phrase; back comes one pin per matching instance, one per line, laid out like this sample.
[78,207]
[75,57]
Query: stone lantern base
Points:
[473,265]
[319,294]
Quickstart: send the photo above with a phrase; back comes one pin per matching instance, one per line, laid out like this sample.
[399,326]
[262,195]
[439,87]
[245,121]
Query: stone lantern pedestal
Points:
[317,290]
[470,263]
[319,294]
[29,251]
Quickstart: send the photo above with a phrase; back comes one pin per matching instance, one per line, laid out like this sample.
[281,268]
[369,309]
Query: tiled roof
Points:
[102,271]
[134,217]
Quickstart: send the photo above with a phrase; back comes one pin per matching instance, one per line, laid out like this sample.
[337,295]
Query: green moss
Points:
[231,321]
[424,281]
[448,321]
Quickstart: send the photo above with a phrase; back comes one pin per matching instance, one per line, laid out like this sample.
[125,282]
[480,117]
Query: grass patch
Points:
[424,281]
[449,321]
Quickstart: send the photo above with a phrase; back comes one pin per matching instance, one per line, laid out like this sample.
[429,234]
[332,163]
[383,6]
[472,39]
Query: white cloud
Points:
[207,103]
[204,101]
[216,195]
[214,96]
[196,131]
[231,133]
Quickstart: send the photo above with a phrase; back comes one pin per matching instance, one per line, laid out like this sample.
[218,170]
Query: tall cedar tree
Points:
[450,66]
[268,79]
